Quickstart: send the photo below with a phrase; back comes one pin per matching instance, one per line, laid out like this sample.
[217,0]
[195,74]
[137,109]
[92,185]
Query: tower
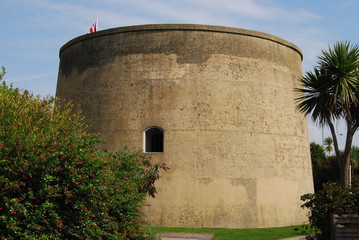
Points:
[216,104]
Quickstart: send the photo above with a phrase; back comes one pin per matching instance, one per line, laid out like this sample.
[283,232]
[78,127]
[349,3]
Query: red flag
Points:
[94,27]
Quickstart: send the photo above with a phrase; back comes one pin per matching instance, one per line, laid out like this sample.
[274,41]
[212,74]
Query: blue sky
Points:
[32,31]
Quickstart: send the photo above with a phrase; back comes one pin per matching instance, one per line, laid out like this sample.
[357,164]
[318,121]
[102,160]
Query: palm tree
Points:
[328,144]
[330,93]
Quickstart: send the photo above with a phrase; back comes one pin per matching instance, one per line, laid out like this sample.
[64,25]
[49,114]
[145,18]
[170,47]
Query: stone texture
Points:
[184,236]
[237,147]
[303,237]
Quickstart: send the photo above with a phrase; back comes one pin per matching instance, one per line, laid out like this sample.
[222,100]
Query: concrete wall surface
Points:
[237,147]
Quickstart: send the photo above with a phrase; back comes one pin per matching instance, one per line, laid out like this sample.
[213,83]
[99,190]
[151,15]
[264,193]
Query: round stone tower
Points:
[216,104]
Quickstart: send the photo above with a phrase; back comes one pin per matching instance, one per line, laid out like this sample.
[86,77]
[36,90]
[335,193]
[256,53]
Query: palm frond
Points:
[331,90]
[341,62]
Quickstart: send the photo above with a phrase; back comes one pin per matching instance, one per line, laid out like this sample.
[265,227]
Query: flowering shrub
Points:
[333,199]
[56,182]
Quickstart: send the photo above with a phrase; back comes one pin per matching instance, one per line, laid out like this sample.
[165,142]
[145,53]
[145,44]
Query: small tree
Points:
[324,167]
[57,183]
[328,144]
[317,153]
[334,198]
[331,92]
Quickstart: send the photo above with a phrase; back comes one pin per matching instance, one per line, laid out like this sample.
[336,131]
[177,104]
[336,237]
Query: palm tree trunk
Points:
[345,181]
[335,141]
[343,160]
[345,172]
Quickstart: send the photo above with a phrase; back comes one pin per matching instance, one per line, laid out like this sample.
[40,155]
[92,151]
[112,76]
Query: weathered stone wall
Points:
[237,147]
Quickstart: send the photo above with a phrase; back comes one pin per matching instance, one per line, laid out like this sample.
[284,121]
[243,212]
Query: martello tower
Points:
[216,104]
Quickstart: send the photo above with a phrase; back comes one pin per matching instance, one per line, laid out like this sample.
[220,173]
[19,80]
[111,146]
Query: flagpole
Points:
[97,23]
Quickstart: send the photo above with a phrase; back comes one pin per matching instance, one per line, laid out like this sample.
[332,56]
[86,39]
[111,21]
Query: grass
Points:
[238,234]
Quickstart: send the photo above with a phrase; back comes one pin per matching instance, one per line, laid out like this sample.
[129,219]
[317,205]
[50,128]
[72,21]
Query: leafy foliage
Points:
[333,199]
[56,181]
[328,144]
[325,168]
[317,152]
[332,87]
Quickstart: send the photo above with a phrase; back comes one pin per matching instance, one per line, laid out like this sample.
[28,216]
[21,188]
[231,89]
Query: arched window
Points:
[153,139]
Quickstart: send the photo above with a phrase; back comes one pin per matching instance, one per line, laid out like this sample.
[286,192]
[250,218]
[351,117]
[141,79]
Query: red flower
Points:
[92,215]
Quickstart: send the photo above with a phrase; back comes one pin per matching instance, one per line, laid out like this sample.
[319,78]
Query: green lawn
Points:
[237,234]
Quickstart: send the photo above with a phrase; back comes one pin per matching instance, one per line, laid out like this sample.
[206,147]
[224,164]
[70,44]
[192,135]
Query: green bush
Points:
[333,199]
[57,183]
[325,168]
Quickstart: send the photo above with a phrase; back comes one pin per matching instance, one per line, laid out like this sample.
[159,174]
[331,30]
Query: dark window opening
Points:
[154,140]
